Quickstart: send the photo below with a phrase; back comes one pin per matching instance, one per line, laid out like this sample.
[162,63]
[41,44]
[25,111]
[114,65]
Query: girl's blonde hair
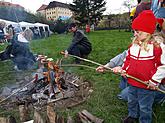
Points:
[144,43]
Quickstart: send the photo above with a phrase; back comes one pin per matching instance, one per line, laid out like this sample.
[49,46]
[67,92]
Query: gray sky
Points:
[113,6]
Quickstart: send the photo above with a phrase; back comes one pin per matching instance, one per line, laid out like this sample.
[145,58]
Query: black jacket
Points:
[79,38]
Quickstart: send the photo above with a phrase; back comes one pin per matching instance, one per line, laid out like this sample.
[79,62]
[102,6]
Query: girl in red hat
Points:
[142,60]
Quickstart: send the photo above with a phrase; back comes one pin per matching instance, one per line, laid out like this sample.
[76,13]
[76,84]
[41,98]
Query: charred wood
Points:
[85,116]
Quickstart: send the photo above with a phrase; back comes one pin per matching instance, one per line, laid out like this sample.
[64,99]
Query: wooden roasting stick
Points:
[108,68]
[18,90]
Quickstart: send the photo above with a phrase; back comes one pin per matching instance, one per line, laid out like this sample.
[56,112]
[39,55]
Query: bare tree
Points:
[127,4]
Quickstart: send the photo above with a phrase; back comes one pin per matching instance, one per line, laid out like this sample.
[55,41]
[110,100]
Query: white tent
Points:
[14,24]
[26,24]
[46,31]
[43,28]
[42,25]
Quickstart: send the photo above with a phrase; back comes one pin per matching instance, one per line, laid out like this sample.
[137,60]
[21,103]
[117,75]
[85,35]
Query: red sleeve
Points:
[126,61]
[157,53]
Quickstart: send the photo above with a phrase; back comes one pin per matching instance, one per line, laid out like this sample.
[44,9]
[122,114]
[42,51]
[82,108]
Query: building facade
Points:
[42,10]
[56,10]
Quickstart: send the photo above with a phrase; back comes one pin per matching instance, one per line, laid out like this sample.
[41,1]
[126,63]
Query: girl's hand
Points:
[151,85]
[100,69]
[119,70]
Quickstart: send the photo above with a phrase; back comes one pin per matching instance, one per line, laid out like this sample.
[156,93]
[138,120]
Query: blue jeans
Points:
[123,83]
[140,103]
[159,96]
[123,95]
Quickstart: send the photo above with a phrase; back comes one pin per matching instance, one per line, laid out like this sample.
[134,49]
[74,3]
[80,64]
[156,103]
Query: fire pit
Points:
[35,89]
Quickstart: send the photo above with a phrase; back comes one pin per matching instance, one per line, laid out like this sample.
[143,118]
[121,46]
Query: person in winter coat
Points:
[22,57]
[19,52]
[142,61]
[80,45]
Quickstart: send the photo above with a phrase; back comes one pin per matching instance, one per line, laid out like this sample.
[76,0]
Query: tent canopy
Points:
[26,24]
[14,24]
[41,24]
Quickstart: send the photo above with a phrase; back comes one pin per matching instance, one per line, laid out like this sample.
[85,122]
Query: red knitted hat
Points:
[145,22]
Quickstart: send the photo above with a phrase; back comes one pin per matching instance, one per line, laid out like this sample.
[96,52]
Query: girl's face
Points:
[140,35]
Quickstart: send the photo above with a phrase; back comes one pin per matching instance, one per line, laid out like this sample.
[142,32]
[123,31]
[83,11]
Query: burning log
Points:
[24,113]
[87,117]
[53,75]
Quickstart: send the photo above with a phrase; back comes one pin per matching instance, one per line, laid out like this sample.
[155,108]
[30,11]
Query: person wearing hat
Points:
[80,45]
[142,60]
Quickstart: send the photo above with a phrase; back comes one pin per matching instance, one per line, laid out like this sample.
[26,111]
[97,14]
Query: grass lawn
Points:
[103,101]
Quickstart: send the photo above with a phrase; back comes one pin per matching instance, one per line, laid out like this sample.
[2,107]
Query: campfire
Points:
[49,84]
